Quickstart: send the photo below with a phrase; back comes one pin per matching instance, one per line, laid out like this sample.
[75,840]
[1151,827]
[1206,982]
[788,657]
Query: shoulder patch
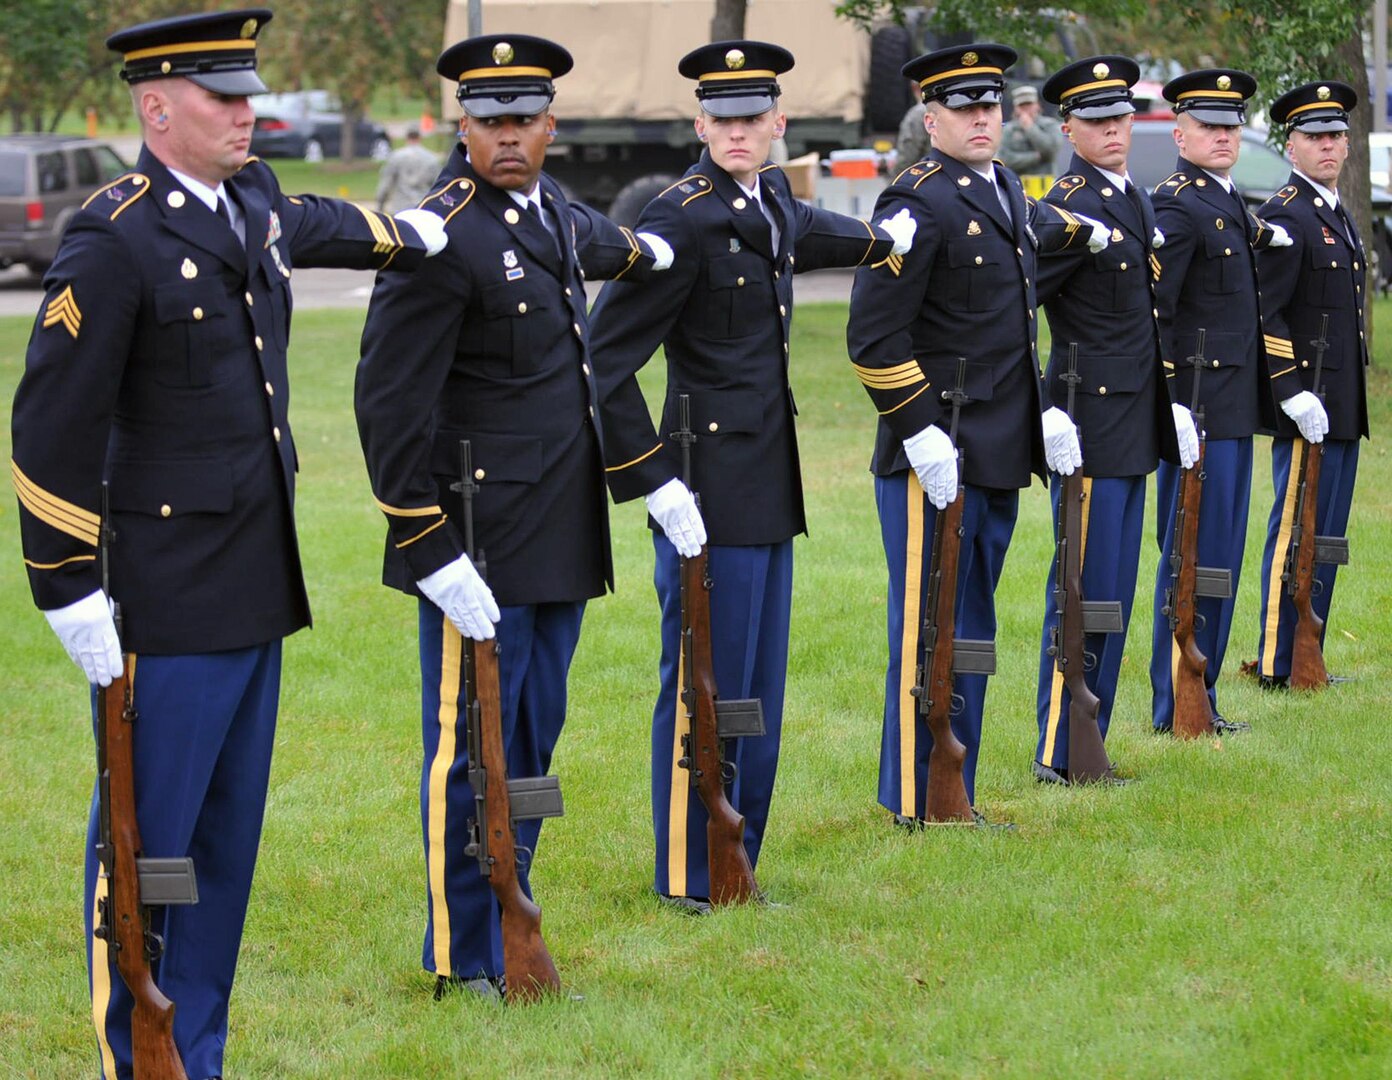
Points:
[1174,183]
[451,198]
[917,173]
[1285,195]
[1068,184]
[688,188]
[119,194]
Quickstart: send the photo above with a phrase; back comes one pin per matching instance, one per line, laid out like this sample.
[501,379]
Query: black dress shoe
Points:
[687,905]
[1229,727]
[1046,775]
[480,986]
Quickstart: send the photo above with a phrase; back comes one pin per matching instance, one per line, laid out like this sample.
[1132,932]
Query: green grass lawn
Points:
[1226,915]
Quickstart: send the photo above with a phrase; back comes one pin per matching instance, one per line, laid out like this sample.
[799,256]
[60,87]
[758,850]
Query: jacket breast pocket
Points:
[516,317]
[197,326]
[505,467]
[976,274]
[739,294]
[1328,277]
[1225,261]
[1124,275]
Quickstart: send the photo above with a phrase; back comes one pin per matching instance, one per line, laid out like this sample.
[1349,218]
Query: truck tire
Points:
[888,97]
[632,197]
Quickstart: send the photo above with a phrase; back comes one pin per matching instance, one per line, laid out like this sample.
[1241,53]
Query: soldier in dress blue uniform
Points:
[1322,273]
[1208,281]
[158,364]
[723,315]
[1105,305]
[966,287]
[491,344]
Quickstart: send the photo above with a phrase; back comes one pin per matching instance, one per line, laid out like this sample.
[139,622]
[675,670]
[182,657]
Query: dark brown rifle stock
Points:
[498,801]
[711,720]
[1087,756]
[1193,712]
[944,655]
[1307,550]
[123,916]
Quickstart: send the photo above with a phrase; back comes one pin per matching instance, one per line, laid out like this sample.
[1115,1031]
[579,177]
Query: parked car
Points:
[44,180]
[309,124]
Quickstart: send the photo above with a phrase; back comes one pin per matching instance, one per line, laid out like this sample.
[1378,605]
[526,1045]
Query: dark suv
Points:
[44,180]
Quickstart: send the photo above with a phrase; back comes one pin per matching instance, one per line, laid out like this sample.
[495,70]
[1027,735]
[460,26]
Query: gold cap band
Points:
[961,71]
[1121,83]
[753,74]
[1232,94]
[245,44]
[503,73]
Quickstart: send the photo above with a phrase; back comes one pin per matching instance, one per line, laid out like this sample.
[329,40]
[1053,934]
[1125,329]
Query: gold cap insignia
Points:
[1224,82]
[970,59]
[249,28]
[166,68]
[188,269]
[973,228]
[502,53]
[1100,71]
[1322,93]
[734,59]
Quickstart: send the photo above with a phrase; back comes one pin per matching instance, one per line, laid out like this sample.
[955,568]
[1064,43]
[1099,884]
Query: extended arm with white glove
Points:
[901,227]
[465,598]
[430,227]
[1187,434]
[1062,451]
[662,252]
[934,461]
[88,633]
[1101,235]
[1308,413]
[674,508]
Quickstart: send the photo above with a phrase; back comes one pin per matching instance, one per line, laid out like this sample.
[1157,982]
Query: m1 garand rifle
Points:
[130,883]
[499,803]
[1087,756]
[1193,712]
[945,656]
[1308,550]
[710,719]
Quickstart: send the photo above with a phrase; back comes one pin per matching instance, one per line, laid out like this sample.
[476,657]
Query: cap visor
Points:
[508,105]
[232,83]
[1318,124]
[1217,117]
[737,105]
[957,99]
[1101,112]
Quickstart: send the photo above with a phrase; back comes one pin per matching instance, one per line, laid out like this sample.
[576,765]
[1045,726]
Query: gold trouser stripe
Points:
[640,457]
[908,645]
[1274,584]
[1056,688]
[451,651]
[64,516]
[679,798]
[101,987]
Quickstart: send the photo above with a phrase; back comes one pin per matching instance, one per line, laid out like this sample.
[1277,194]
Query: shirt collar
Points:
[1224,181]
[753,192]
[1331,197]
[1119,179]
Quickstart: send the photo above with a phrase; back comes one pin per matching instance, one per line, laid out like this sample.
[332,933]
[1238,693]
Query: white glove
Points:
[464,597]
[1101,235]
[1157,240]
[88,633]
[661,250]
[1279,236]
[1187,434]
[902,227]
[1308,413]
[674,508]
[1061,450]
[934,460]
[430,227]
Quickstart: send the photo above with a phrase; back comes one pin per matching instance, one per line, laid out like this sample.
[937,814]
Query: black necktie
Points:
[537,213]
[1348,223]
[223,212]
[1134,194]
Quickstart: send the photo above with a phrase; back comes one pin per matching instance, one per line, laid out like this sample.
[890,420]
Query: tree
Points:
[49,50]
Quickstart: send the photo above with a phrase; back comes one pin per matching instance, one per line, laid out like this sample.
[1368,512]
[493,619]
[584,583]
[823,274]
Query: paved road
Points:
[21,292]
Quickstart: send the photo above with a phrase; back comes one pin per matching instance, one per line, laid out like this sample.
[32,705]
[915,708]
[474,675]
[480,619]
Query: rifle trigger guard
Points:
[956,704]
[727,772]
[1089,660]
[1200,621]
[1316,586]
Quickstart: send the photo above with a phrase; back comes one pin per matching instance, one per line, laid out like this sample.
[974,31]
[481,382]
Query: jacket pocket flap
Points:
[515,458]
[171,488]
[737,271]
[189,301]
[718,412]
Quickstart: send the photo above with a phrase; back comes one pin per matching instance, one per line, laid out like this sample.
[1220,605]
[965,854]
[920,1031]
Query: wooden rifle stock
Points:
[1193,712]
[946,797]
[1307,655]
[527,963]
[1087,756]
[123,920]
[731,872]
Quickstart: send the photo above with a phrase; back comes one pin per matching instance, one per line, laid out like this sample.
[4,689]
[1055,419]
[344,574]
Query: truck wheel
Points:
[887,97]
[632,197]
